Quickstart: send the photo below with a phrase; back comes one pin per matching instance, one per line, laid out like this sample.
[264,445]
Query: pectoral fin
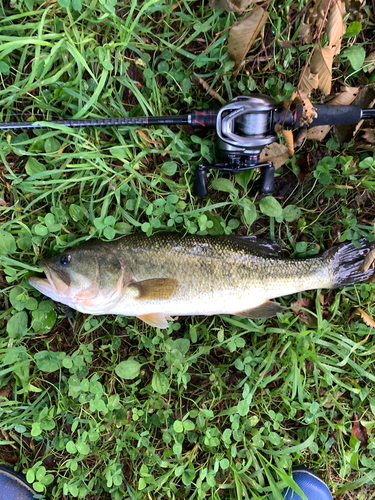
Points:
[158,320]
[155,289]
[266,310]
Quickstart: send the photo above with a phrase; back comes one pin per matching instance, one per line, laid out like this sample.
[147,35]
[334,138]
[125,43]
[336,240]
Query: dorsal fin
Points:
[263,246]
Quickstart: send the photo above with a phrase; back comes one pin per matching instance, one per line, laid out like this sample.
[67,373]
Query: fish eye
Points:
[65,259]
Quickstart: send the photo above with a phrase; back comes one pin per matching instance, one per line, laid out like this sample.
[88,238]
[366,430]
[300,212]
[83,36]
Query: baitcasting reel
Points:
[244,127]
[247,124]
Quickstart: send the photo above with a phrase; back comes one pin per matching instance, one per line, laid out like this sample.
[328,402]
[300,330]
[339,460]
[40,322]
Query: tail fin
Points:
[347,263]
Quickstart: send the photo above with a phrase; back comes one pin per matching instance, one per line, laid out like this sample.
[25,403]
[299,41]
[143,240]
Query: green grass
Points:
[216,407]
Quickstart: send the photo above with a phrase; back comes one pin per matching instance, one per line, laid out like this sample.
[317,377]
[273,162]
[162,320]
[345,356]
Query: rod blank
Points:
[101,122]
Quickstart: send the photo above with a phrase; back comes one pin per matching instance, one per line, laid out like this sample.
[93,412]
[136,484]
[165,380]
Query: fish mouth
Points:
[54,284]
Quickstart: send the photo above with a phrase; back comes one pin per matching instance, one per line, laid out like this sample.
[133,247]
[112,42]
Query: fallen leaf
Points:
[322,299]
[308,110]
[335,28]
[369,135]
[288,136]
[243,35]
[318,11]
[9,457]
[359,431]
[321,64]
[362,145]
[5,392]
[300,139]
[369,259]
[366,318]
[238,6]
[286,44]
[318,133]
[3,203]
[346,97]
[304,316]
[370,60]
[344,133]
[309,81]
[305,167]
[305,33]
[276,153]
[359,124]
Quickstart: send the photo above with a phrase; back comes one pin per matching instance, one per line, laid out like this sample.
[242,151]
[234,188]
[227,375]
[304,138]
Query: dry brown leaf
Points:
[276,153]
[321,64]
[318,11]
[369,135]
[370,59]
[318,133]
[309,81]
[335,27]
[359,124]
[238,6]
[300,139]
[362,145]
[308,111]
[344,133]
[3,203]
[243,35]
[288,136]
[369,259]
[5,392]
[359,431]
[346,97]
[304,316]
[286,44]
[322,299]
[366,318]
[8,457]
[305,33]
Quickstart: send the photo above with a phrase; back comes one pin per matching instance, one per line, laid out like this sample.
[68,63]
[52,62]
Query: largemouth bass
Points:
[154,278]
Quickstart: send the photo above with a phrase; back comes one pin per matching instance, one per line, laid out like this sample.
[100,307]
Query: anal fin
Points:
[158,320]
[266,310]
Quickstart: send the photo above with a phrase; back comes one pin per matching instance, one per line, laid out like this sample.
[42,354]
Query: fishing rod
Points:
[244,127]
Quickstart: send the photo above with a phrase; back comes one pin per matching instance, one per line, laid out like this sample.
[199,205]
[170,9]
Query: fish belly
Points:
[207,304]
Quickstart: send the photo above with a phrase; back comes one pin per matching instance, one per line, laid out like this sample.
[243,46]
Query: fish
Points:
[168,274]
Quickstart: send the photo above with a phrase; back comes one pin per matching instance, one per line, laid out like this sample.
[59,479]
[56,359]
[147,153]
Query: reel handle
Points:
[267,183]
[200,186]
